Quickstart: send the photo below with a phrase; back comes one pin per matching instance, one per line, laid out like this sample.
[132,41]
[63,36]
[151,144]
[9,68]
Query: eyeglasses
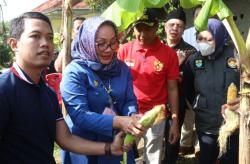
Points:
[104,46]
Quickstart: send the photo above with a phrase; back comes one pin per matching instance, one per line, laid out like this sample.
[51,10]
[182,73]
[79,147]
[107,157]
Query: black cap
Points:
[147,19]
[177,14]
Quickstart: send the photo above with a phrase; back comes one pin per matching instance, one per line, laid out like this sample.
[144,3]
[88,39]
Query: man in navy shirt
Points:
[30,117]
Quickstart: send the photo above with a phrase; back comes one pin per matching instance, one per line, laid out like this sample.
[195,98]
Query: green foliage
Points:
[6,55]
[99,5]
[57,41]
[161,31]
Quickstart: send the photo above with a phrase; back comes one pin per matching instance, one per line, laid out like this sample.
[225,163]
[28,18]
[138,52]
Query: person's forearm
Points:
[58,63]
[82,146]
[174,102]
[117,122]
[75,144]
[174,109]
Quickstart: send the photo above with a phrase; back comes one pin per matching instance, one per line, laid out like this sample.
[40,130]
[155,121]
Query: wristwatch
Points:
[107,149]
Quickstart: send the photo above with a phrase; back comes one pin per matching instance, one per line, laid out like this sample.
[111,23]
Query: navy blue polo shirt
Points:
[28,115]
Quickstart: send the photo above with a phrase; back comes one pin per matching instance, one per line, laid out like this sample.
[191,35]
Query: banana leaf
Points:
[248,42]
[187,4]
[134,5]
[155,3]
[209,9]
[129,5]
[121,17]
[125,12]
[202,18]
[223,11]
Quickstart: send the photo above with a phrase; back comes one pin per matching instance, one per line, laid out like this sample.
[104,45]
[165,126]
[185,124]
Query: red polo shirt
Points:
[151,68]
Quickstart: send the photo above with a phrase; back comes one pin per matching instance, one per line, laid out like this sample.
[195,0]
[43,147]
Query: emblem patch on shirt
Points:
[231,63]
[158,65]
[130,62]
[96,83]
[199,64]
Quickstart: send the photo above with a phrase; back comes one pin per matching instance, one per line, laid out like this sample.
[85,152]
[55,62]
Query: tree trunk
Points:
[244,143]
[244,139]
[67,30]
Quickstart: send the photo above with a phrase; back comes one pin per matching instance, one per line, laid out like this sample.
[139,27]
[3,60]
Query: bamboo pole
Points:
[244,143]
[244,149]
[67,30]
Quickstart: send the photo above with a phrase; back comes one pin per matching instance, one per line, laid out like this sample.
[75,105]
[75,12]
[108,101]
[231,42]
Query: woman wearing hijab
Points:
[207,75]
[97,91]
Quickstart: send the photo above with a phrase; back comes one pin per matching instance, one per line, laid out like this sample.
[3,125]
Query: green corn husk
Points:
[155,115]
[147,120]
[125,158]
[231,121]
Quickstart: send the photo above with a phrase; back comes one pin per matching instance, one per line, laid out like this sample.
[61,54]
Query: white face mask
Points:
[205,48]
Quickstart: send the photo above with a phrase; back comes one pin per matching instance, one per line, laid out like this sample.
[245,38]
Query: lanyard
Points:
[109,90]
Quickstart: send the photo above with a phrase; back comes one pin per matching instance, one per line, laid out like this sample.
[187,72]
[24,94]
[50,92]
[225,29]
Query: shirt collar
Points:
[21,74]
[179,45]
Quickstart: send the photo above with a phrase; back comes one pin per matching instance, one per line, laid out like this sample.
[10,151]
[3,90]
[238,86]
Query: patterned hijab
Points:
[83,48]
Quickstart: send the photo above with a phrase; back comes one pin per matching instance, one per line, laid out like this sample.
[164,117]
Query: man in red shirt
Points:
[155,70]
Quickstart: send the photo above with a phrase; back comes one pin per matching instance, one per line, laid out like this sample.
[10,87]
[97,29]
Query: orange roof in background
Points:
[57,4]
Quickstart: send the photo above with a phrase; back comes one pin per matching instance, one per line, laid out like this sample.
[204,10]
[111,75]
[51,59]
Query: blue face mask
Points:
[205,48]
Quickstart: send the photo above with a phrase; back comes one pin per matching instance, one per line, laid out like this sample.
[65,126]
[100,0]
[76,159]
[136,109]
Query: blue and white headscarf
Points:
[83,48]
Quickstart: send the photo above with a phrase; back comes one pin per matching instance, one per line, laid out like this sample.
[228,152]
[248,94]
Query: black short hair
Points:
[79,18]
[17,24]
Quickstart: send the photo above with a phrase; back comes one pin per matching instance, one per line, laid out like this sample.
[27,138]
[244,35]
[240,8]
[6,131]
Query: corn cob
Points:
[231,121]
[155,115]
[151,117]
